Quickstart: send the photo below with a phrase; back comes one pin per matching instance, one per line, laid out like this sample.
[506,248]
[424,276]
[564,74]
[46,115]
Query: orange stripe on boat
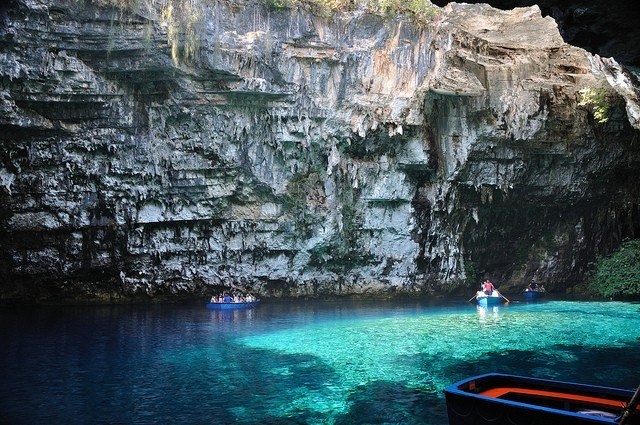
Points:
[501,391]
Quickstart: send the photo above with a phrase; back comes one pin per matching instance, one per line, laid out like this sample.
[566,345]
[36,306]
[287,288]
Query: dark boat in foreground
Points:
[232,305]
[507,399]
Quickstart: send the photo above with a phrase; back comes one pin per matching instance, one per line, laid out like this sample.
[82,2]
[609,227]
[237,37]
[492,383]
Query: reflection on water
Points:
[488,313]
[313,363]
[239,315]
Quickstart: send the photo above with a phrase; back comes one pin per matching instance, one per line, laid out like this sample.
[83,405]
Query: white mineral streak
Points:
[6,179]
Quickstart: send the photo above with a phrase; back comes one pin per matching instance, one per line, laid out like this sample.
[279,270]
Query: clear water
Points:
[295,363]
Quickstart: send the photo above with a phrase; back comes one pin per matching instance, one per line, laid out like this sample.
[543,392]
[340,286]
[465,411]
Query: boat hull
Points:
[533,295]
[489,301]
[232,306]
[506,399]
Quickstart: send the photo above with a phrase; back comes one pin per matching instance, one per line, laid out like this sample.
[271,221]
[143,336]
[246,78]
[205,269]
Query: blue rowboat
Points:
[533,294]
[499,399]
[232,306]
[489,300]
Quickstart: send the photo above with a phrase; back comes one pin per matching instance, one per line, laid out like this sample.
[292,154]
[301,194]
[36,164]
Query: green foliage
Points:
[182,21]
[302,191]
[300,187]
[279,4]
[471,271]
[124,6]
[421,11]
[147,36]
[619,274]
[338,257]
[597,99]
[321,7]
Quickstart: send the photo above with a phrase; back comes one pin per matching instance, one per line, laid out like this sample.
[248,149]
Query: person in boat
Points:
[227,298]
[533,286]
[488,287]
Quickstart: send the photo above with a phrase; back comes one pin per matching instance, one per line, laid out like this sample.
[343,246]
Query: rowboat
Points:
[485,300]
[232,305]
[498,399]
[533,294]
[489,300]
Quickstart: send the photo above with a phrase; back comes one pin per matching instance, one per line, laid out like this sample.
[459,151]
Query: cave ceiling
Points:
[606,28]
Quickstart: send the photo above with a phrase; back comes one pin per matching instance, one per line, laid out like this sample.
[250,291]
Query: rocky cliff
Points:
[156,151]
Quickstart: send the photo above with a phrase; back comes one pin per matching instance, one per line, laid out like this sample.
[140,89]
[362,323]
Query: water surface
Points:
[296,363]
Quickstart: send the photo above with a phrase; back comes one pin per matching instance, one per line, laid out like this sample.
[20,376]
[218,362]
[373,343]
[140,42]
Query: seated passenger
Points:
[488,287]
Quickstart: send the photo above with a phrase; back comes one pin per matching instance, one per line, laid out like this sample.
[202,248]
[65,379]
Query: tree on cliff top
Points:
[619,274]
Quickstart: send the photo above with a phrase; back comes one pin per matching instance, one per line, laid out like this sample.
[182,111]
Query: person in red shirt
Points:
[488,287]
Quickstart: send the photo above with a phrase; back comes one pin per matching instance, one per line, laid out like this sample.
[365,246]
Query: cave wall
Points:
[293,154]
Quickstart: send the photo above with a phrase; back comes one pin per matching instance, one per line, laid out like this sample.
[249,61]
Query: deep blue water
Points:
[296,362]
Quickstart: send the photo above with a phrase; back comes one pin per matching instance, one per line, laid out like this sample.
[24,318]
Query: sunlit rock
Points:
[295,155]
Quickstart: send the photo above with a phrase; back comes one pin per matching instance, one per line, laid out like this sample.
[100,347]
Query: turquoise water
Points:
[296,363]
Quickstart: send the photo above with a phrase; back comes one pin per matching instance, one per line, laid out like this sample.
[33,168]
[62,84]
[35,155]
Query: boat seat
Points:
[503,391]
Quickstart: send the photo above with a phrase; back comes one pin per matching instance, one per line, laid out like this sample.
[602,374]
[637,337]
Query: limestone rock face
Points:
[282,152]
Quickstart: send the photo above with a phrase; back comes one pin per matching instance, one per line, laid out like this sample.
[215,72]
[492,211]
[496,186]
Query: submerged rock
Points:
[290,154]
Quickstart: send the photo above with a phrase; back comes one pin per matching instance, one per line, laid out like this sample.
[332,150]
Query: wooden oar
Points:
[507,299]
[475,296]
[630,407]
